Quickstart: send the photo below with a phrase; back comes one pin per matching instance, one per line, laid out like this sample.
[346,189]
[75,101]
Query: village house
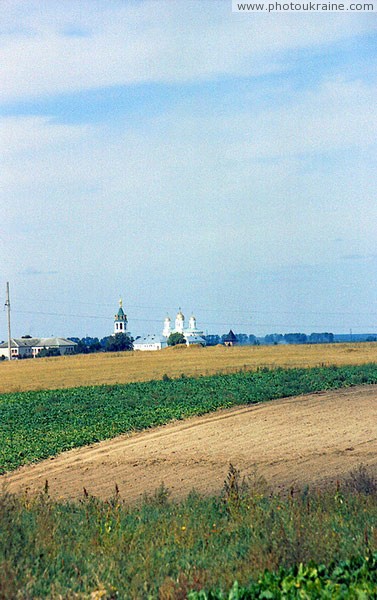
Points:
[150,342]
[28,347]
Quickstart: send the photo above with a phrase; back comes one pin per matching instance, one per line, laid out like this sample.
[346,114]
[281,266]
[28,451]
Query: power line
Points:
[54,314]
[205,323]
[206,309]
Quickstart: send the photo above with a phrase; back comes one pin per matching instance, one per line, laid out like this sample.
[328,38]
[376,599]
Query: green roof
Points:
[120,316]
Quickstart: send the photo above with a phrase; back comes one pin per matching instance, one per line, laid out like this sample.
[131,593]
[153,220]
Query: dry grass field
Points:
[111,368]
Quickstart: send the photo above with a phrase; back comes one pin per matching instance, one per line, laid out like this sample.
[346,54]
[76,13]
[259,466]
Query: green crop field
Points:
[36,425]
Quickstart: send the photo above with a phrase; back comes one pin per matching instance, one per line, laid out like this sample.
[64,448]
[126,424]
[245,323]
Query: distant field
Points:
[125,367]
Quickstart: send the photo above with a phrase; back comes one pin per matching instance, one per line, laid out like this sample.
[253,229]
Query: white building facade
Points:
[150,343]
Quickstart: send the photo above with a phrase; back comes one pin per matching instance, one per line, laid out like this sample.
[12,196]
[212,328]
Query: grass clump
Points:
[361,481]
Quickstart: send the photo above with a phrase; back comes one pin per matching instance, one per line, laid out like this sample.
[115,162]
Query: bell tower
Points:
[120,320]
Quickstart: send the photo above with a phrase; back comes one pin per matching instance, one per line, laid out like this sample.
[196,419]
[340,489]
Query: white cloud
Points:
[152,41]
[338,114]
[35,134]
[233,187]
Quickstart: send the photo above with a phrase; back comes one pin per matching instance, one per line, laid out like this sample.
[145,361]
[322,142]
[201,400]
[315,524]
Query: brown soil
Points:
[308,439]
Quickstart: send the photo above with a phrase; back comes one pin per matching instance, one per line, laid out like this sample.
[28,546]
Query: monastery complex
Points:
[193,335]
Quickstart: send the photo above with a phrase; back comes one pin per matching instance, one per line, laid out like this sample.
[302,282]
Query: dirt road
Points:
[312,439]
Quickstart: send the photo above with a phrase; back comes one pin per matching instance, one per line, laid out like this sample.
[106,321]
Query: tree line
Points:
[121,341]
[245,339]
[118,342]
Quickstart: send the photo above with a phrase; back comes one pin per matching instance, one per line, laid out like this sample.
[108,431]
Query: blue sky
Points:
[178,154]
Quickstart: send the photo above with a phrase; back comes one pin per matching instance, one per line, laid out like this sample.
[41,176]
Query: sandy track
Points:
[312,439]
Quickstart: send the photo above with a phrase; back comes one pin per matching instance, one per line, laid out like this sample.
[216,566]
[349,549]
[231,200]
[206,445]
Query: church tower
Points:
[167,327]
[192,323]
[120,320]
[179,322]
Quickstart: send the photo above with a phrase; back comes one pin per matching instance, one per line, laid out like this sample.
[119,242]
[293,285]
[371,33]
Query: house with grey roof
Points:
[30,347]
[195,340]
[150,342]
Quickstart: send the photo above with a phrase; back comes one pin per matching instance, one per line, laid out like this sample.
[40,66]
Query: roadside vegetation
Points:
[246,543]
[37,425]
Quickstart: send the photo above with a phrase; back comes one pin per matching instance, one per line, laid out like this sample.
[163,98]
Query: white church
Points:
[192,334]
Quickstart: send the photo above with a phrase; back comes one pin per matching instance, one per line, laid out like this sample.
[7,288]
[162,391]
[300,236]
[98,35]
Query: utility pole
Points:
[7,304]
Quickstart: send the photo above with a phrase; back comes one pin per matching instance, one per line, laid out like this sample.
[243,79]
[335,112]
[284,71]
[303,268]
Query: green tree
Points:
[176,338]
[119,342]
[48,352]
[87,345]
